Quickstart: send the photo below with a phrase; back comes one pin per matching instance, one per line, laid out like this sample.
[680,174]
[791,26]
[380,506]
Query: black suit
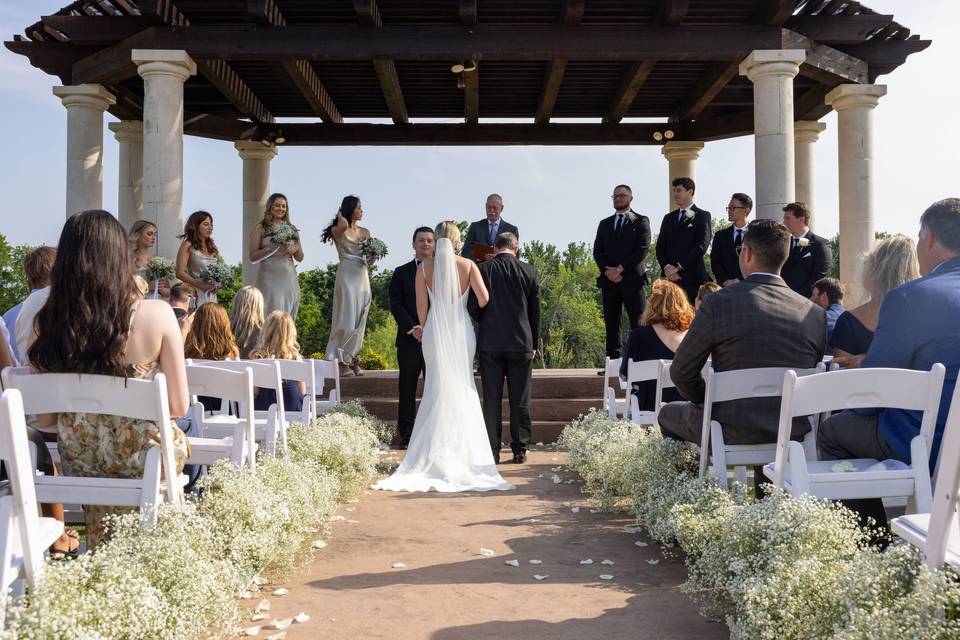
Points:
[627,248]
[806,265]
[508,333]
[684,243]
[479,231]
[403,306]
[723,255]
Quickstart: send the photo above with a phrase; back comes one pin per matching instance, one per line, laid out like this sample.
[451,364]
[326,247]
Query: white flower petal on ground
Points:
[351,509]
[539,444]
[398,565]
[280,625]
[319,544]
[278,636]
[246,595]
[607,562]
[641,543]
[513,563]
[257,580]
[338,518]
[536,561]
[606,576]
[556,479]
[594,510]
[629,529]
[574,509]
[653,562]
[487,553]
[587,561]
[281,591]
[537,576]
[532,520]
[250,631]
[257,617]
[263,606]
[301,618]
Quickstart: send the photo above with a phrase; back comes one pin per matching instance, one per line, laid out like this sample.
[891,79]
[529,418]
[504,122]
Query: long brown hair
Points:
[83,326]
[667,305]
[266,223]
[210,337]
[191,233]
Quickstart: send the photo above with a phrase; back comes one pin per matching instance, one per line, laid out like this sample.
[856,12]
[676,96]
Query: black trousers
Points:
[613,299]
[517,368]
[410,359]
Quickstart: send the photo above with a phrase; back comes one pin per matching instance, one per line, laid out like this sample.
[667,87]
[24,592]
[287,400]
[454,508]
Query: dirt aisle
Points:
[448,590]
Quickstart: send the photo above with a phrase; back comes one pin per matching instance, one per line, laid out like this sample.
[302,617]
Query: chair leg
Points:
[740,474]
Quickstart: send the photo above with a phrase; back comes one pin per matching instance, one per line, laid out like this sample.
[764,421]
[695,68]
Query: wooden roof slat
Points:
[636,74]
[98,31]
[236,91]
[673,11]
[368,14]
[853,29]
[707,88]
[468,12]
[570,14]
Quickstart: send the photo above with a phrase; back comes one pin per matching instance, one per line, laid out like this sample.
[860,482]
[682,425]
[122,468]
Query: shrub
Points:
[372,360]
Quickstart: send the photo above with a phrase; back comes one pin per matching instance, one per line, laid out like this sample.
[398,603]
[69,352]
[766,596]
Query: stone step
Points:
[573,384]
[541,409]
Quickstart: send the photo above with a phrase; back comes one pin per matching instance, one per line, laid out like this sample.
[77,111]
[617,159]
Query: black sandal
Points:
[71,552]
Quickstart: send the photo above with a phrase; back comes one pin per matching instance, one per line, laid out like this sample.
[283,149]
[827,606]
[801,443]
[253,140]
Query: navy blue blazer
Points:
[918,327]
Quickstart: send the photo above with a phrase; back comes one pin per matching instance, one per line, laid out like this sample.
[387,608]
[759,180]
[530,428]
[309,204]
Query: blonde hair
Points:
[891,263]
[278,338]
[246,314]
[135,232]
[451,231]
[667,305]
[142,285]
[210,337]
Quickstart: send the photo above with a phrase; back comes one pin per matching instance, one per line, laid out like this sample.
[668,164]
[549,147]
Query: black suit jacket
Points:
[403,301]
[723,256]
[806,265]
[628,248]
[685,243]
[477,232]
[511,319]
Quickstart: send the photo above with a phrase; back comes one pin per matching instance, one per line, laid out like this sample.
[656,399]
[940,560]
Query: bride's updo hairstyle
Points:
[451,231]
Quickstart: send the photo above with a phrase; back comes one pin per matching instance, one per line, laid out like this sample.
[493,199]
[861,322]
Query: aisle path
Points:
[449,591]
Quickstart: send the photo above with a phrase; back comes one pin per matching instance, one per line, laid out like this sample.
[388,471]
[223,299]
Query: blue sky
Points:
[554,194]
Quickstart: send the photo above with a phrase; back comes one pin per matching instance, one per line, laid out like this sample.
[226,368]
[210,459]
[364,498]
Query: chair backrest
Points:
[16,457]
[134,398]
[943,517]
[643,370]
[858,389]
[232,386]
[266,375]
[327,370]
[298,370]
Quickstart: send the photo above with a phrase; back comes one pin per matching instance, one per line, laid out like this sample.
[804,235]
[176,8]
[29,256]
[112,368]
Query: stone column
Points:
[163,73]
[806,132]
[129,133]
[256,189]
[772,73]
[682,158]
[85,104]
[854,104]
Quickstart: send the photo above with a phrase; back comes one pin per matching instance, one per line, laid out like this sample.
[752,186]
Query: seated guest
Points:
[278,340]
[828,295]
[891,263]
[246,320]
[757,322]
[663,325]
[36,267]
[96,322]
[210,338]
[705,289]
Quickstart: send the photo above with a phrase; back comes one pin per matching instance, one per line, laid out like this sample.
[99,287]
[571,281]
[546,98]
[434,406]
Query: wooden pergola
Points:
[259,73]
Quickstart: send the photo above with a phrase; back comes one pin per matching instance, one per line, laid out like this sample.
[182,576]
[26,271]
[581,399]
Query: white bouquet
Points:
[285,234]
[373,248]
[218,273]
[157,268]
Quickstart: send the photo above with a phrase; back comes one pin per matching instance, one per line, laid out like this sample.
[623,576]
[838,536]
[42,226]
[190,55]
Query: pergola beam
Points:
[672,11]
[570,14]
[98,31]
[234,89]
[634,78]
[468,12]
[824,63]
[839,29]
[708,87]
[369,15]
[779,11]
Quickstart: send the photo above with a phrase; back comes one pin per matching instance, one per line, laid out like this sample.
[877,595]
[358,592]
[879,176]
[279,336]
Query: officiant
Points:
[483,233]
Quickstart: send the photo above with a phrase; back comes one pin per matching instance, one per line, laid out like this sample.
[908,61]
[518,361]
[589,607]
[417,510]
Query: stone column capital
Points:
[808,130]
[681,150]
[849,96]
[90,96]
[127,130]
[772,62]
[255,150]
[164,62]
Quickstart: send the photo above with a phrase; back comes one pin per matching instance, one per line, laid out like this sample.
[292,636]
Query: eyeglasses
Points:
[734,208]
[620,195]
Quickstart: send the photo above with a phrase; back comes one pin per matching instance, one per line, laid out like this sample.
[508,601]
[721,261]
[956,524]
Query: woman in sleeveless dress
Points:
[276,270]
[351,290]
[143,238]
[111,332]
[449,450]
[196,253]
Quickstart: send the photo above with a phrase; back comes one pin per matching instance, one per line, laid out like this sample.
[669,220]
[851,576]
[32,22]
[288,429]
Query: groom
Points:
[507,338]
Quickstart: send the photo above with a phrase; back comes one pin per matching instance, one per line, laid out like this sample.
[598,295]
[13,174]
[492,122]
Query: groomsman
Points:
[403,306]
[619,249]
[810,255]
[726,243]
[486,231]
[683,241]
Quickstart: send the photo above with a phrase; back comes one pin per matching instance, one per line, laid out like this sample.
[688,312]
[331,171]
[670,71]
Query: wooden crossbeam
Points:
[369,15]
[839,29]
[99,31]
[234,89]
[707,88]
[887,53]
[824,63]
[468,12]
[779,11]
[570,14]
[672,11]
[634,78]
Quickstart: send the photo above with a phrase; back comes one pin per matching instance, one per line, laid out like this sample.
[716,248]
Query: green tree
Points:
[13,282]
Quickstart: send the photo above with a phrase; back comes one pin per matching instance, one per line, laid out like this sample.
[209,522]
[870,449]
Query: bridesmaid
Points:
[351,291]
[277,273]
[196,252]
[143,237]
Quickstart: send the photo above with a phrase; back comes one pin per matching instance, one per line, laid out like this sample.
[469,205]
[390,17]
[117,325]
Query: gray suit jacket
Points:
[478,233]
[757,322]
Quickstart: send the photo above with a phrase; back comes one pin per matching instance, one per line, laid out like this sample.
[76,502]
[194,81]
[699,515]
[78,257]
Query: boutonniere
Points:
[631,217]
[690,214]
[803,242]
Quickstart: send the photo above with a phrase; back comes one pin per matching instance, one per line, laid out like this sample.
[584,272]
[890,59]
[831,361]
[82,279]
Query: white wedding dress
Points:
[449,450]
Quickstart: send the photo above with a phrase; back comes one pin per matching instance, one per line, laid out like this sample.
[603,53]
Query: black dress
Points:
[645,344]
[292,400]
[850,335]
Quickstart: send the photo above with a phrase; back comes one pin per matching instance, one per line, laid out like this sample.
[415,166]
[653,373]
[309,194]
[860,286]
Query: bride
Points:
[449,450]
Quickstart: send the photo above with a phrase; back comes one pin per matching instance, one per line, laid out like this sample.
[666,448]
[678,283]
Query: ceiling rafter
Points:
[571,13]
[633,80]
[369,14]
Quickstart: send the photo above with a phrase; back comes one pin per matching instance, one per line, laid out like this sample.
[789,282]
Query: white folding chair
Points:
[144,400]
[614,406]
[270,425]
[858,389]
[324,370]
[643,371]
[741,384]
[228,386]
[937,534]
[300,371]
[23,535]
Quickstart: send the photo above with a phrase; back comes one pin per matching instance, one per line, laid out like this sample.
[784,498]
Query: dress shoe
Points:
[520,458]
[496,457]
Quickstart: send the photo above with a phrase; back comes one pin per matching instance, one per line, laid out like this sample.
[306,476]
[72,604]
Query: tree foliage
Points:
[13,282]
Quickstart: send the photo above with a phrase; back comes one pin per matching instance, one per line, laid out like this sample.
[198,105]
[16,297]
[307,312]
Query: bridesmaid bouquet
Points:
[285,234]
[157,268]
[373,248]
[218,273]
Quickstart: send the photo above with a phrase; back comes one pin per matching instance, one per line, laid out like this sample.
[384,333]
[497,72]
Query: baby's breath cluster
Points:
[180,579]
[776,567]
